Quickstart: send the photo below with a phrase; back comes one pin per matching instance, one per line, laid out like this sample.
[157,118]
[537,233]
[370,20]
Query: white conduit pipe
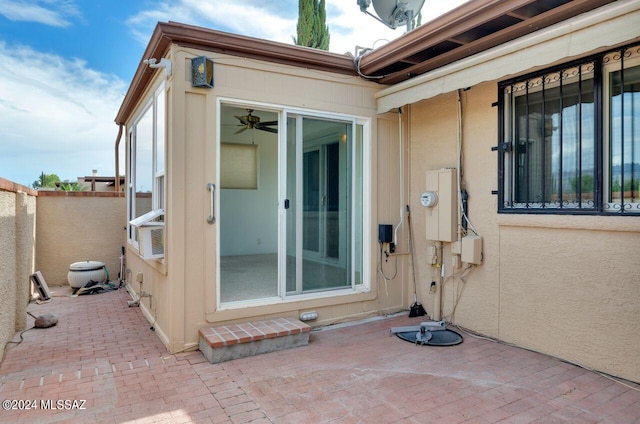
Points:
[402,206]
[462,215]
[135,300]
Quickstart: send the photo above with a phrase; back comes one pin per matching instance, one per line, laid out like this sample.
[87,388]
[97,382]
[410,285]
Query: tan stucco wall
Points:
[79,226]
[563,285]
[17,248]
[48,232]
[549,283]
[183,285]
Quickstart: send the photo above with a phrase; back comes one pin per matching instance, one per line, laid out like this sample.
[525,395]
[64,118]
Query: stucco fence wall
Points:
[47,231]
[78,226]
[17,255]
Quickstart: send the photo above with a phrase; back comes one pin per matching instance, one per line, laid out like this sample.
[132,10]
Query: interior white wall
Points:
[249,218]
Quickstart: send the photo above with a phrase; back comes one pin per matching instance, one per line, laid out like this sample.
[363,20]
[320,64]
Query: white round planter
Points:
[80,273]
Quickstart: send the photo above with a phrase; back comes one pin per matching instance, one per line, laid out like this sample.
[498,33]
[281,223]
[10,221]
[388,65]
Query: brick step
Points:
[227,342]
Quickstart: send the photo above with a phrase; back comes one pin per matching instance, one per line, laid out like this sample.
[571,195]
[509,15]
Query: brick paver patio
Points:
[104,356]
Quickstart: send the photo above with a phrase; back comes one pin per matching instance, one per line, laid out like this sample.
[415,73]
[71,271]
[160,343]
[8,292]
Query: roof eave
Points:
[411,42]
[459,20]
[157,47]
[169,33]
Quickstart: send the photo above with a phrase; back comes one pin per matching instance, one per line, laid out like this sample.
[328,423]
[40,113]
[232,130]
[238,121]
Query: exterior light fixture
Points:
[202,72]
[308,316]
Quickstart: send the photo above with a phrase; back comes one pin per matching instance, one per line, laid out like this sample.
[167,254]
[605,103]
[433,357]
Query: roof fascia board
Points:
[459,20]
[157,48]
[614,24]
[270,51]
[169,33]
[559,14]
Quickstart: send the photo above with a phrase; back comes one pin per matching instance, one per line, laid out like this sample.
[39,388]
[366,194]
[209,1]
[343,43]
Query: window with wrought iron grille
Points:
[570,138]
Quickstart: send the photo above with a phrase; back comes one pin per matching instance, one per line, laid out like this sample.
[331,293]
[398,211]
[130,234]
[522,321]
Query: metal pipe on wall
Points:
[401,164]
[117,176]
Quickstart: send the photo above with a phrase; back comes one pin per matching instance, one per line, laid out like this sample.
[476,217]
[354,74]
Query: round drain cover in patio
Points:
[438,338]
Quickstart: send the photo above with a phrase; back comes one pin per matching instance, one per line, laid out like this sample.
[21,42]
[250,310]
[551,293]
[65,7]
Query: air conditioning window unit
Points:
[151,241]
[150,233]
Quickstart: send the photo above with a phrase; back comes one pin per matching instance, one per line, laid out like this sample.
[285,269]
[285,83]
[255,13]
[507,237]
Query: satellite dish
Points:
[393,13]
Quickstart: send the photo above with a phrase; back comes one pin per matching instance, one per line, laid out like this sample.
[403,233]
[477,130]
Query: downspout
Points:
[135,300]
[460,172]
[401,164]
[461,227]
[117,176]
[437,278]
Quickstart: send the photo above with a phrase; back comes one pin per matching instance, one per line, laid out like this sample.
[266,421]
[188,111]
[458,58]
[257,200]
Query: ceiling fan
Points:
[250,122]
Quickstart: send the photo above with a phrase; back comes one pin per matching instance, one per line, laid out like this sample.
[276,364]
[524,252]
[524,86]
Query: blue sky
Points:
[65,66]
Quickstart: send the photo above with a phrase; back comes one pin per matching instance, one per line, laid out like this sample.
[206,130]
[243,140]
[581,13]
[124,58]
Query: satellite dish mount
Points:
[393,13]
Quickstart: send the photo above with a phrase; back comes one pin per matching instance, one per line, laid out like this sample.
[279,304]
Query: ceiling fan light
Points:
[251,122]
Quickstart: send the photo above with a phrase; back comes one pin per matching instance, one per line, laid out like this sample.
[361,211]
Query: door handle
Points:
[211,219]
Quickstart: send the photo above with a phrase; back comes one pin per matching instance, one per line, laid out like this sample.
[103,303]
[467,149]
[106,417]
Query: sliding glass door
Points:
[322,184]
[291,198]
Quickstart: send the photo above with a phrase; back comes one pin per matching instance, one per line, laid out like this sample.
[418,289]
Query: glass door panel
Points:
[290,205]
[248,223]
[311,201]
[324,210]
[332,202]
[292,230]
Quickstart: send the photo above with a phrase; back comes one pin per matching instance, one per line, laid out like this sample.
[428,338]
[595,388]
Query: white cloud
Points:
[55,13]
[57,116]
[348,26]
[241,17]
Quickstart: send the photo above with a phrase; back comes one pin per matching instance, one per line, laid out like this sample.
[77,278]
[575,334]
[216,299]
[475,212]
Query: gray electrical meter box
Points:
[442,215]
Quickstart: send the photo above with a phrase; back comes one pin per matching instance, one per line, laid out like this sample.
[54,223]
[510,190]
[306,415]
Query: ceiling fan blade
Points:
[240,130]
[269,123]
[242,119]
[267,129]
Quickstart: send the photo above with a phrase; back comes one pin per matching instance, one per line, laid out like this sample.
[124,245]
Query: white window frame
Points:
[158,180]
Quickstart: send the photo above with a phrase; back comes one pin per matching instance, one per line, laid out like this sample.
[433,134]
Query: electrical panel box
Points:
[442,218]
[472,250]
[385,233]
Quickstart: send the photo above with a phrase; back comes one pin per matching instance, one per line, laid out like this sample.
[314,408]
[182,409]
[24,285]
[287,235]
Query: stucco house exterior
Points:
[492,154]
